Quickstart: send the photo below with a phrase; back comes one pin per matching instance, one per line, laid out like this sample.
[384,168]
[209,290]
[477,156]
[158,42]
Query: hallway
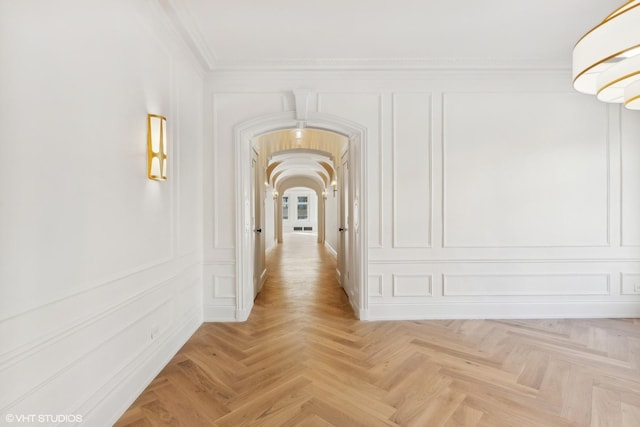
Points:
[303,359]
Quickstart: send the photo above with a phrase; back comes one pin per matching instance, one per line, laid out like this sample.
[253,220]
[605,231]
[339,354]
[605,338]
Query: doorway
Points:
[354,185]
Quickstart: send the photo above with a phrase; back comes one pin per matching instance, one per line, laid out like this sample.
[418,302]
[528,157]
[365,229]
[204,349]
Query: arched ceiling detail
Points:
[296,139]
[309,153]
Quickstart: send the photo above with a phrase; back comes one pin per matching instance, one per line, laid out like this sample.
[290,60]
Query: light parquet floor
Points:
[303,359]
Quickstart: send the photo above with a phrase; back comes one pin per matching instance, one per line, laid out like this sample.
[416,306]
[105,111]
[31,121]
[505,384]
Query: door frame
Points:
[244,136]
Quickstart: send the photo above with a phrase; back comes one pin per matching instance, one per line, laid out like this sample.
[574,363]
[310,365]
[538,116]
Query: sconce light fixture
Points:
[606,60]
[334,185]
[275,195]
[156,147]
[324,194]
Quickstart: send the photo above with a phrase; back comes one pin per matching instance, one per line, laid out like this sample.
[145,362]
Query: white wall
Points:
[100,268]
[490,194]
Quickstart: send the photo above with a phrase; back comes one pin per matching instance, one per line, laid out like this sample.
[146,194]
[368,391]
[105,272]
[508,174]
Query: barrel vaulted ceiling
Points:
[373,34]
[308,153]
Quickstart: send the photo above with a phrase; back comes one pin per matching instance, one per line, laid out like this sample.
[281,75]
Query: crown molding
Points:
[390,64]
[181,18]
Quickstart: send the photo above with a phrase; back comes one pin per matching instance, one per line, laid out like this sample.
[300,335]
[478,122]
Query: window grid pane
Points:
[302,212]
[285,207]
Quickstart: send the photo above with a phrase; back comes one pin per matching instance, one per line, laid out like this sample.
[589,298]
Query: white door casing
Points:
[344,225]
[256,224]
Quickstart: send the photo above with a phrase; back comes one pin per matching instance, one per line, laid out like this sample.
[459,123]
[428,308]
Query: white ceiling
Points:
[369,34]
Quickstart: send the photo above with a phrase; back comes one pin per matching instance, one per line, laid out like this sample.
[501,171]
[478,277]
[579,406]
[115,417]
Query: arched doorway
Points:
[245,135]
[320,207]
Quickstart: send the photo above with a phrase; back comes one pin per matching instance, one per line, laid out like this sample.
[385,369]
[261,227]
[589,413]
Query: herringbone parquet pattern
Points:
[302,359]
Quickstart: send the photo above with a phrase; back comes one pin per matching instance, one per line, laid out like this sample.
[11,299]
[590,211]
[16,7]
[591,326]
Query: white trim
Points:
[330,249]
[114,397]
[219,313]
[504,310]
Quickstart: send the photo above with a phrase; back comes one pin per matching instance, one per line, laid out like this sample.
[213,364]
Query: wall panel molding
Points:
[531,309]
[519,152]
[149,317]
[630,284]
[412,139]
[629,178]
[222,149]
[43,322]
[224,286]
[557,261]
[375,286]
[375,166]
[526,284]
[113,398]
[412,285]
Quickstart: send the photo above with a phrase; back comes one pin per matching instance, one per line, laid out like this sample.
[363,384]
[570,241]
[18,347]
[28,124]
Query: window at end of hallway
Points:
[303,211]
[285,207]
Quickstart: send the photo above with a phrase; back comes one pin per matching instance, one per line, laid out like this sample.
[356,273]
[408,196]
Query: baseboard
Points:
[504,310]
[329,248]
[242,315]
[219,313]
[107,405]
[263,278]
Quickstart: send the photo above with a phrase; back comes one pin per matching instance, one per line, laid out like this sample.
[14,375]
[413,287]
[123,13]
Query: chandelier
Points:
[606,60]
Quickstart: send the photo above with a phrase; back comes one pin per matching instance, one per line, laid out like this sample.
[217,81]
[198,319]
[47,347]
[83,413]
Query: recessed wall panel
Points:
[526,284]
[375,286]
[224,287]
[412,170]
[229,110]
[630,153]
[366,110]
[412,285]
[630,284]
[525,170]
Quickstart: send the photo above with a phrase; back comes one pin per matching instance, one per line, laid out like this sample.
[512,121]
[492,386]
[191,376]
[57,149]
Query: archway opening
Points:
[262,178]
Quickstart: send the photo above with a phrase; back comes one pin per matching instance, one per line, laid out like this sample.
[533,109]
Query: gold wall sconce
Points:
[156,147]
[334,186]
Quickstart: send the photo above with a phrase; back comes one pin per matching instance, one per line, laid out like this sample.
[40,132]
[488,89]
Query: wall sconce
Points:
[275,195]
[156,147]
[324,194]
[334,185]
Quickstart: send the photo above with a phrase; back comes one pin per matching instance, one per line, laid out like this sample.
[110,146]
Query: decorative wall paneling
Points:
[59,371]
[630,284]
[532,176]
[226,110]
[367,110]
[505,175]
[525,284]
[412,285]
[412,170]
[629,128]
